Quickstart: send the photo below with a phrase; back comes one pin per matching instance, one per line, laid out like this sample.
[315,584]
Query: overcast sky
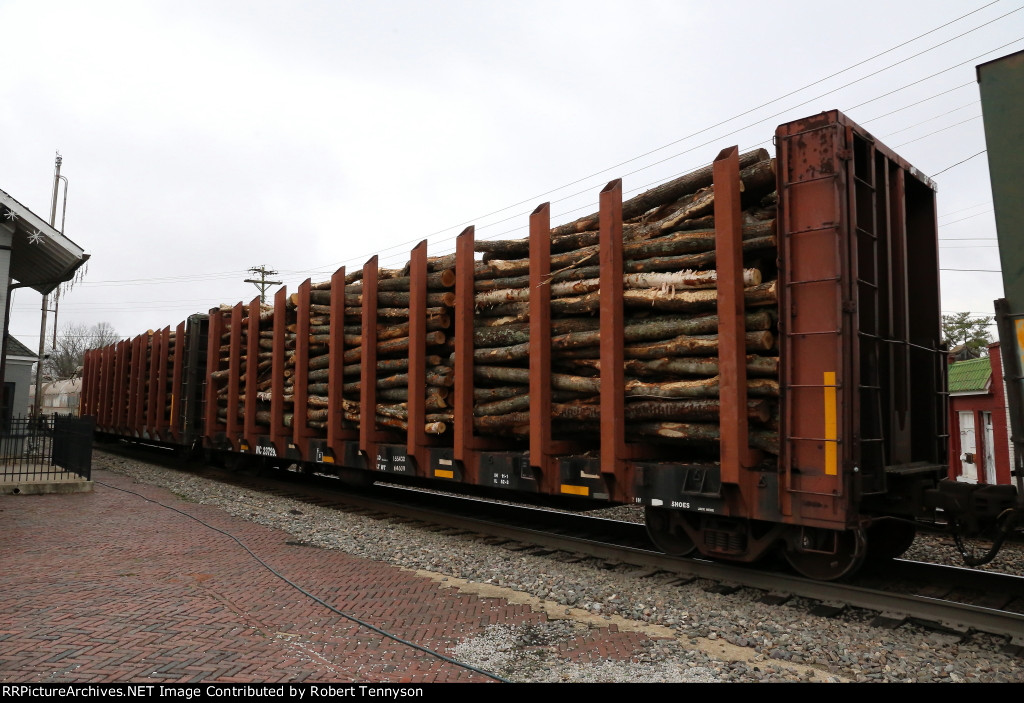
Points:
[204,138]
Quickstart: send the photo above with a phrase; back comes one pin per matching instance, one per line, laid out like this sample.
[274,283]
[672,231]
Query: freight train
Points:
[752,352]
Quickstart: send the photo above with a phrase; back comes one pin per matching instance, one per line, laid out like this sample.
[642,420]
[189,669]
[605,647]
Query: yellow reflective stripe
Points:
[442,473]
[831,425]
[328,459]
[576,490]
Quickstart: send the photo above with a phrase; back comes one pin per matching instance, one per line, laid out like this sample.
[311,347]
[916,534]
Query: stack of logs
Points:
[146,358]
[392,349]
[263,365]
[670,332]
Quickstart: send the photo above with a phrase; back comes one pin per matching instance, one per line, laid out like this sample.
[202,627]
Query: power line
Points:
[964,219]
[960,162]
[755,109]
[677,141]
[669,158]
[930,119]
[938,131]
[185,279]
[580,180]
[969,312]
[920,102]
[964,209]
[939,73]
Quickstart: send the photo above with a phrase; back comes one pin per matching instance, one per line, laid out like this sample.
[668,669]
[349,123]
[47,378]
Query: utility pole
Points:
[262,283]
[38,402]
[53,223]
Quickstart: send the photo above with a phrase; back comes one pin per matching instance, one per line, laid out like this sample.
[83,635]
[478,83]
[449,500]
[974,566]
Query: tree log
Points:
[764,294]
[765,440]
[681,301]
[672,244]
[682,345]
[679,280]
[392,313]
[664,193]
[696,366]
[392,346]
[521,401]
[691,410]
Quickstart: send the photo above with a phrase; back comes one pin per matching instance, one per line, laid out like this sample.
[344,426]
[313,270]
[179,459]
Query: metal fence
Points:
[47,448]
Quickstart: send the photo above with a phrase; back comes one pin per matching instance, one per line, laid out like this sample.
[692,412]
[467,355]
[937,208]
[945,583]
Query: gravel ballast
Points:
[700,636]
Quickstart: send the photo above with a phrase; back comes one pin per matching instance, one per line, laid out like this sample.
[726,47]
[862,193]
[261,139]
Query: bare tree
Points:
[65,360]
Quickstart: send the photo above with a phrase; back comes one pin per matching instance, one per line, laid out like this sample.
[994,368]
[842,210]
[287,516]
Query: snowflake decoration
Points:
[11,214]
[36,237]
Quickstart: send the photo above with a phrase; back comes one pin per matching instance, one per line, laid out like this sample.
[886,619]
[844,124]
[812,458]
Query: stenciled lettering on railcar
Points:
[395,464]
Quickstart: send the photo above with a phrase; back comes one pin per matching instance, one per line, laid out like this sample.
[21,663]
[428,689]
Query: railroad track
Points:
[950,599]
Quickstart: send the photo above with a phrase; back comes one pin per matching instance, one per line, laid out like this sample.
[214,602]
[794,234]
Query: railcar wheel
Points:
[666,531]
[213,458]
[237,462]
[889,539]
[356,478]
[827,555]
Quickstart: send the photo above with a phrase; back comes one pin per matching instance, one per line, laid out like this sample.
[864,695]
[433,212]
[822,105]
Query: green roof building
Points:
[979,445]
[971,376]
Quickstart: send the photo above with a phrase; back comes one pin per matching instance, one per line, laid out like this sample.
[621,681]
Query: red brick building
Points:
[979,446]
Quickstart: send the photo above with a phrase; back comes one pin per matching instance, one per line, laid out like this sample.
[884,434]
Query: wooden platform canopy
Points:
[38,256]
[32,255]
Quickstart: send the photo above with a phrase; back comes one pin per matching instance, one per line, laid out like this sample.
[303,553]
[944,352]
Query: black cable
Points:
[404,244]
[706,129]
[648,185]
[818,97]
[491,224]
[944,129]
[1008,518]
[965,209]
[963,219]
[300,589]
[918,124]
[754,109]
[938,73]
[919,102]
[960,162]
[736,131]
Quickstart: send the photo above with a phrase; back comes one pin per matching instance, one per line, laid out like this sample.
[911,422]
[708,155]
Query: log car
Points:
[830,464]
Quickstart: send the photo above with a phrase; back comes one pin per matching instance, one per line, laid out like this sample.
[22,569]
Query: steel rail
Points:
[937,612]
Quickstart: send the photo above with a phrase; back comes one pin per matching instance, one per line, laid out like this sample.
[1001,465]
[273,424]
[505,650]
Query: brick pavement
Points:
[104,586]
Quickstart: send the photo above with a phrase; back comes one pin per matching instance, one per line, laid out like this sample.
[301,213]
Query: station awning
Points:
[41,257]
